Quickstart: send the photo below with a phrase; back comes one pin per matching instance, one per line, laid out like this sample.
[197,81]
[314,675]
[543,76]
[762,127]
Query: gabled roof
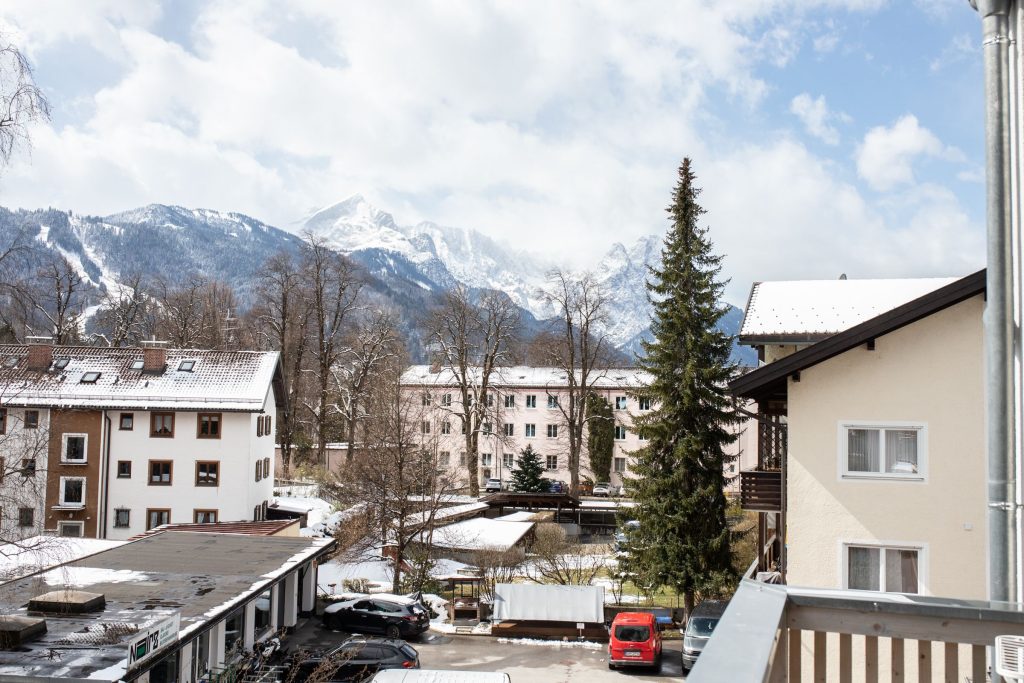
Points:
[769,381]
[804,311]
[218,380]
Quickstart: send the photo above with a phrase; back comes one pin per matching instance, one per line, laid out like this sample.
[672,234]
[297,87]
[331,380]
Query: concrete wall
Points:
[928,373]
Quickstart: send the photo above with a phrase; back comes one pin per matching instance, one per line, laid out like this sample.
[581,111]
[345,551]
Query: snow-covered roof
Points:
[39,552]
[521,516]
[480,532]
[526,376]
[809,310]
[201,576]
[453,512]
[220,380]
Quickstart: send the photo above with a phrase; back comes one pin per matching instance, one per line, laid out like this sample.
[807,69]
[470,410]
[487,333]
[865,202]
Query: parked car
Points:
[440,676]
[492,485]
[354,660]
[603,488]
[622,535]
[393,615]
[634,639]
[558,487]
[699,627]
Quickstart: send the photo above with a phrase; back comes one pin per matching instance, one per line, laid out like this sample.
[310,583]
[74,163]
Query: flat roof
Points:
[33,554]
[202,576]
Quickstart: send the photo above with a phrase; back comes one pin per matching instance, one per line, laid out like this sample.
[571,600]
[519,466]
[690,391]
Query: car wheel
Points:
[392,631]
[611,666]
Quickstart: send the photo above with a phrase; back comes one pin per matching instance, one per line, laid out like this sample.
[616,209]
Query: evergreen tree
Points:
[528,476]
[683,537]
[600,437]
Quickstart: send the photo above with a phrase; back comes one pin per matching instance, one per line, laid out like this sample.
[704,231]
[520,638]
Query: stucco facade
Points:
[927,376]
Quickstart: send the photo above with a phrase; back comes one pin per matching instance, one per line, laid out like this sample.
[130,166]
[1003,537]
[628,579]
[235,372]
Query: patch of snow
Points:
[111,673]
[558,644]
[480,533]
[89,576]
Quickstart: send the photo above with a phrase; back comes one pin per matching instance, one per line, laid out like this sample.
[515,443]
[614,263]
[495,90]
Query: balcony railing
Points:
[782,633]
[761,490]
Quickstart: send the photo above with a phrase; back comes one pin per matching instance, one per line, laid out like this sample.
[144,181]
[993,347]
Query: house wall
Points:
[18,490]
[90,423]
[928,372]
[234,498]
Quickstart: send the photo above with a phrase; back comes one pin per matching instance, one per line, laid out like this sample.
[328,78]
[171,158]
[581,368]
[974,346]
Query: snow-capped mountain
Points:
[444,255]
[408,264]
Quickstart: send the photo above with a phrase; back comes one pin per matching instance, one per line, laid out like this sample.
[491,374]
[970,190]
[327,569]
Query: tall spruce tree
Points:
[600,436]
[683,537]
[529,473]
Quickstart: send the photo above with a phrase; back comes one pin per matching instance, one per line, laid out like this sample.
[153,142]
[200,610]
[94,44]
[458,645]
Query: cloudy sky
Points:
[829,135]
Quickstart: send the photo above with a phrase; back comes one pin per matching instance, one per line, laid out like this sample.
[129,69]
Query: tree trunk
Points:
[351,432]
[688,599]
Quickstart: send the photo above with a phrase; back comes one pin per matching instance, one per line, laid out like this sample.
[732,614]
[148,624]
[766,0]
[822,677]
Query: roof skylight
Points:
[60,363]
[138,364]
[90,377]
[187,365]
[11,361]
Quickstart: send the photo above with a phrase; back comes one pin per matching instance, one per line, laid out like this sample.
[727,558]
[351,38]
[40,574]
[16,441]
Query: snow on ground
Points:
[331,576]
[584,644]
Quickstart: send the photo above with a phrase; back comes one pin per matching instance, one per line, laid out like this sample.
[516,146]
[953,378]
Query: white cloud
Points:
[886,157]
[816,117]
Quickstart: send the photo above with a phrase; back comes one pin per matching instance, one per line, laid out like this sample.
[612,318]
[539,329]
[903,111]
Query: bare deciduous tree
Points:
[333,290]
[21,101]
[577,345]
[498,565]
[397,480]
[472,339]
[57,300]
[180,319]
[372,345]
[122,318]
[557,559]
[282,319]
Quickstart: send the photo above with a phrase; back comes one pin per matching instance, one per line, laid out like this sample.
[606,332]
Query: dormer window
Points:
[60,363]
[187,365]
[138,364]
[90,377]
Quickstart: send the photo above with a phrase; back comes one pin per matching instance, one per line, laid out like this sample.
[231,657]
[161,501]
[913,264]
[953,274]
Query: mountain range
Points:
[408,265]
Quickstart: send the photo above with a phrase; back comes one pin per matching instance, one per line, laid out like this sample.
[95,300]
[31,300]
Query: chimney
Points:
[435,367]
[40,353]
[154,356]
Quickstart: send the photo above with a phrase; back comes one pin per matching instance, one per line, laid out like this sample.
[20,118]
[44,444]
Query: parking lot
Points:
[532,663]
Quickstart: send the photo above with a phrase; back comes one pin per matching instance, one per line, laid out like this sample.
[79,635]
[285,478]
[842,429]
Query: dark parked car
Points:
[357,659]
[558,487]
[392,615]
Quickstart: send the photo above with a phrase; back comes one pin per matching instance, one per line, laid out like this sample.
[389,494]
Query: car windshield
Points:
[632,634]
[701,626]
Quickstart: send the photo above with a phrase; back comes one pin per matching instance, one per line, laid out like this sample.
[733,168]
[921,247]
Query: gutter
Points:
[105,484]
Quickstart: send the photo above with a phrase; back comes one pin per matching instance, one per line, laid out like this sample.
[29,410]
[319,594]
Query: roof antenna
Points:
[842,276]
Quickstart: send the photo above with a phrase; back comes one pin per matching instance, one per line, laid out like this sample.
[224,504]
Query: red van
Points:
[634,640]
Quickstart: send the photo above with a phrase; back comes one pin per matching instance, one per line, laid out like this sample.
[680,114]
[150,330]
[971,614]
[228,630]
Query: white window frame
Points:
[621,403]
[644,403]
[843,442]
[922,563]
[531,400]
[80,525]
[547,463]
[62,503]
[129,515]
[486,460]
[510,429]
[510,400]
[64,449]
[530,430]
[508,460]
[446,400]
[552,428]
[553,401]
[615,465]
[444,458]
[446,427]
[620,432]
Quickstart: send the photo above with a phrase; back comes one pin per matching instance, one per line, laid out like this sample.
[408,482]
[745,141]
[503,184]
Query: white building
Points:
[136,438]
[525,411]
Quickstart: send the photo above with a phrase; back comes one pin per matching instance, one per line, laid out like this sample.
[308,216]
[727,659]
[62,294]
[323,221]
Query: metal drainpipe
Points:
[1000,306]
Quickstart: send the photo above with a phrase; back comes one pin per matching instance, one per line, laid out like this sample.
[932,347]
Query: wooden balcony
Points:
[761,490]
[782,633]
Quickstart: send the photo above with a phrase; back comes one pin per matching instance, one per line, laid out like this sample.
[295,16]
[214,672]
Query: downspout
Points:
[1000,306]
[105,485]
